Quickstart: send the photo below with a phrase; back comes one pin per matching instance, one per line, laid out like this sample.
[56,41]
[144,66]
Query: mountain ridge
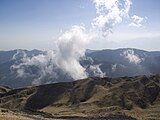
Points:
[111,63]
[89,97]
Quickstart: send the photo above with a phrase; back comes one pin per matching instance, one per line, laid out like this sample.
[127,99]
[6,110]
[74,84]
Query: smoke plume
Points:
[136,21]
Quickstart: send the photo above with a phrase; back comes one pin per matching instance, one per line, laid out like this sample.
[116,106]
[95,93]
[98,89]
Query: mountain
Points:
[111,63]
[9,58]
[6,56]
[137,97]
[127,62]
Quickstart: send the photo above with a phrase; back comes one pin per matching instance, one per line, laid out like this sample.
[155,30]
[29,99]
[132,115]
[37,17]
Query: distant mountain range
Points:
[112,63]
[127,62]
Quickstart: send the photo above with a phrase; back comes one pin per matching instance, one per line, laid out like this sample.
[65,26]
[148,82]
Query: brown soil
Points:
[89,97]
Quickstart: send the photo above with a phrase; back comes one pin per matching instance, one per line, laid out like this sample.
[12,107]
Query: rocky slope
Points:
[134,96]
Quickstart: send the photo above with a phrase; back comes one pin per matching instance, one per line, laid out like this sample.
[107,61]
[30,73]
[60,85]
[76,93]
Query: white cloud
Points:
[71,46]
[131,56]
[45,65]
[96,71]
[72,43]
[110,13]
[63,63]
[19,54]
[136,21]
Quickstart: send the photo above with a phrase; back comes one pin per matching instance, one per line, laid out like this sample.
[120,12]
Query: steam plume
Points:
[71,45]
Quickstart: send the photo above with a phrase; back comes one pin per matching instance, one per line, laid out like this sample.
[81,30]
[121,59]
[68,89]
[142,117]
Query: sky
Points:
[37,24]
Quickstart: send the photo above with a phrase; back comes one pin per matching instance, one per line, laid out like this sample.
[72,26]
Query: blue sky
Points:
[36,24]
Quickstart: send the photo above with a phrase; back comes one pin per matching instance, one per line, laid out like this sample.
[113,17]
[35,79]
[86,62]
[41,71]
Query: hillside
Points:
[137,97]
[21,68]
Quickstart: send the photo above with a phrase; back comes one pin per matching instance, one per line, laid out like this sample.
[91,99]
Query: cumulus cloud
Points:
[110,13]
[136,21]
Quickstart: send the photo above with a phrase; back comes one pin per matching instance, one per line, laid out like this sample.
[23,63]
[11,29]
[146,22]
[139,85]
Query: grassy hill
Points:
[137,97]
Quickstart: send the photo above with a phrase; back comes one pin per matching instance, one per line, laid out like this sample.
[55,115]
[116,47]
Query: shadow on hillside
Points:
[46,95]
